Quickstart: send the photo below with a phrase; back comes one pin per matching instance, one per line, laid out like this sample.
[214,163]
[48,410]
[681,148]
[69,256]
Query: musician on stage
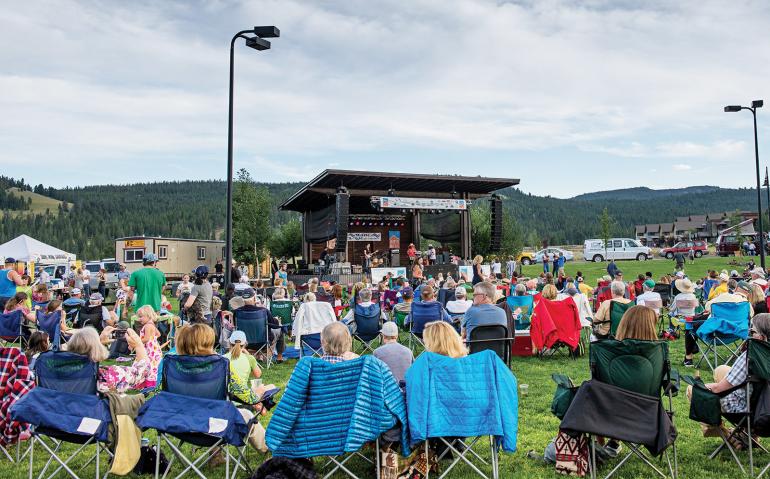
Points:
[368,258]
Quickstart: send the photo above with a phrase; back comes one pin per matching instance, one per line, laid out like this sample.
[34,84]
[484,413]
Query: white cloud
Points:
[681,167]
[143,87]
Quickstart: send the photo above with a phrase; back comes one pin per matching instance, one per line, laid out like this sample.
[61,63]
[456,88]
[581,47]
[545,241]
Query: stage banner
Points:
[422,203]
[378,273]
[364,236]
[394,239]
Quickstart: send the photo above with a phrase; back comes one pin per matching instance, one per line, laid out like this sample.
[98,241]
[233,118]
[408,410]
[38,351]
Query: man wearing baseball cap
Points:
[396,356]
[147,283]
[648,295]
[9,279]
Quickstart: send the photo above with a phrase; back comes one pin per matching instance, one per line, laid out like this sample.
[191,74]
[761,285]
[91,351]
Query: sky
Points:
[569,97]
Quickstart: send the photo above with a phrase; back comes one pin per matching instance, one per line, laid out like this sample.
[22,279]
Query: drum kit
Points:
[380,259]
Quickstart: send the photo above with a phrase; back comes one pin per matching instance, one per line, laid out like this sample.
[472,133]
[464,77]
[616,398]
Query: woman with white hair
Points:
[601,322]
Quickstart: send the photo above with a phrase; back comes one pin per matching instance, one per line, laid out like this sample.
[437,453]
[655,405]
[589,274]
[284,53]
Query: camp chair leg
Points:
[460,456]
[762,473]
[62,464]
[8,455]
[190,464]
[377,458]
[592,458]
[635,449]
[748,433]
[31,452]
[97,460]
[619,465]
[493,452]
[726,443]
[340,465]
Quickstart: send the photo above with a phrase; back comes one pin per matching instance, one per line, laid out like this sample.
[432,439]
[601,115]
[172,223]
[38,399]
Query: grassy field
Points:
[39,204]
[537,426]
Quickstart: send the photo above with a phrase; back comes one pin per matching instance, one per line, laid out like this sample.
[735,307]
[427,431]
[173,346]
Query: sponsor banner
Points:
[394,239]
[422,203]
[134,243]
[364,236]
[378,273]
[467,271]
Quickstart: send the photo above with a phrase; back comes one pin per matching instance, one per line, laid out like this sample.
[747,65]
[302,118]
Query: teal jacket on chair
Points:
[464,397]
[329,409]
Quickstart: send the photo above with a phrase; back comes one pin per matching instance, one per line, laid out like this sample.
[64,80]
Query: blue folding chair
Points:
[11,328]
[313,343]
[525,304]
[445,296]
[367,321]
[422,314]
[199,386]
[708,284]
[51,324]
[254,324]
[726,328]
[66,408]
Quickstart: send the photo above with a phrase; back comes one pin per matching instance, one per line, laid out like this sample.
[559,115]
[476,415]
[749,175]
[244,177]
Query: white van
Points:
[617,248]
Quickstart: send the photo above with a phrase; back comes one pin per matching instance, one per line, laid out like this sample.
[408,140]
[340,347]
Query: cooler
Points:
[522,346]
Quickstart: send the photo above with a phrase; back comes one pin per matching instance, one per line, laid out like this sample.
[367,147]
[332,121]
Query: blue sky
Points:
[570,97]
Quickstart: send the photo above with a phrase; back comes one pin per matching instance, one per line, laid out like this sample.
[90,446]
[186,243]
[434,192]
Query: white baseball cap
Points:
[389,329]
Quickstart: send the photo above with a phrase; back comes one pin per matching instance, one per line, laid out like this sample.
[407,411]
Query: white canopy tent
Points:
[24,248]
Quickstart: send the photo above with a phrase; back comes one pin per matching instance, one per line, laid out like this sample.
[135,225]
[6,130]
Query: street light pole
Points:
[753,109]
[256,42]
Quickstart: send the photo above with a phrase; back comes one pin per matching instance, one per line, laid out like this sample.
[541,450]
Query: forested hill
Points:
[98,214]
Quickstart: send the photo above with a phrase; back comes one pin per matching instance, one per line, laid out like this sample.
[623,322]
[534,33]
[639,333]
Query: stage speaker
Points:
[343,207]
[496,222]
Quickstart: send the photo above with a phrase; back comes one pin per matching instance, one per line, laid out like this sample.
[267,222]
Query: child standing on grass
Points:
[149,335]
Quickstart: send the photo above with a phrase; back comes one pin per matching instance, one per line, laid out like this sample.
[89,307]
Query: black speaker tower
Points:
[343,208]
[496,229]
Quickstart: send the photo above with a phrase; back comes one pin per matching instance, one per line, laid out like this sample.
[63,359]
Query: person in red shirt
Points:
[411,252]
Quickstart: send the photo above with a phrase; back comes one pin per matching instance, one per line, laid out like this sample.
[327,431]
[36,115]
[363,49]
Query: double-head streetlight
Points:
[753,109]
[255,38]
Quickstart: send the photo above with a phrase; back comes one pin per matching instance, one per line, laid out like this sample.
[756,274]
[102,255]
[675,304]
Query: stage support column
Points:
[465,232]
[306,247]
[416,229]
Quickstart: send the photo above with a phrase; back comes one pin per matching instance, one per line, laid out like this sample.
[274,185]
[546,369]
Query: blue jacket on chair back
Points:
[462,397]
[329,409]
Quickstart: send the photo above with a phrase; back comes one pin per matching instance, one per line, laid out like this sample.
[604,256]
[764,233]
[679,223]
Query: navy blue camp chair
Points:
[11,328]
[199,383]
[367,326]
[422,314]
[312,342]
[445,296]
[65,408]
[254,324]
[51,324]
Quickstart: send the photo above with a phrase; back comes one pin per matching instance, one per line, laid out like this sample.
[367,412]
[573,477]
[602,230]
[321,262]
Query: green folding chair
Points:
[617,310]
[641,367]
[705,406]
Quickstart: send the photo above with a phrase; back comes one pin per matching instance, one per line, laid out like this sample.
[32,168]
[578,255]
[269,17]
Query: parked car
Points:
[700,248]
[532,257]
[617,248]
[728,245]
[111,267]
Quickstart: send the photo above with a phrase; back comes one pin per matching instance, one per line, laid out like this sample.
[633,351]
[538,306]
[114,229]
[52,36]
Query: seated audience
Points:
[484,311]
[460,304]
[721,287]
[602,316]
[638,322]
[407,297]
[649,295]
[19,302]
[396,356]
[740,294]
[37,343]
[337,343]
[312,316]
[252,302]
[241,361]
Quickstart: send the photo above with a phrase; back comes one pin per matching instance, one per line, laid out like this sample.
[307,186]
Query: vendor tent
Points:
[24,248]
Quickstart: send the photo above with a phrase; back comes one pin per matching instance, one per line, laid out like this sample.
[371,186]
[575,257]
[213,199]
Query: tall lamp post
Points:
[258,43]
[753,109]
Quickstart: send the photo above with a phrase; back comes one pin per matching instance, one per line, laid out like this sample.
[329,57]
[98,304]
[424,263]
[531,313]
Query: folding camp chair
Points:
[708,284]
[458,319]
[283,310]
[641,368]
[725,329]
[313,343]
[705,406]
[602,294]
[11,329]
[90,316]
[445,296]
[389,300]
[326,413]
[400,319]
[494,337]
[72,311]
[17,380]
[556,327]
[200,384]
[66,385]
[367,327]
[664,290]
[422,314]
[254,323]
[51,324]
[617,310]
[523,304]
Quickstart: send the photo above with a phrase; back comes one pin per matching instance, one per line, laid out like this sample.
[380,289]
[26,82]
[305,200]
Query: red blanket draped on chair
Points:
[555,321]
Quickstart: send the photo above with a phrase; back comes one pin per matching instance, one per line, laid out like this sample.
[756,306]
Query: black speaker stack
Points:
[343,208]
[496,230]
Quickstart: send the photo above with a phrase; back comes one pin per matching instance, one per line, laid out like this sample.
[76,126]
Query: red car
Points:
[700,248]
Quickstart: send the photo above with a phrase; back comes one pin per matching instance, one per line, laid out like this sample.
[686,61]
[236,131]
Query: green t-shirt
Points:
[282,308]
[148,283]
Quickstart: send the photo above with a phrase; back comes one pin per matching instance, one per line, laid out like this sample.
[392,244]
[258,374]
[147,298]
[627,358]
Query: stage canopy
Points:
[25,248]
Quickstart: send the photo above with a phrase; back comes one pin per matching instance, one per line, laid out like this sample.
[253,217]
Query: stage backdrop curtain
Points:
[321,225]
[443,227]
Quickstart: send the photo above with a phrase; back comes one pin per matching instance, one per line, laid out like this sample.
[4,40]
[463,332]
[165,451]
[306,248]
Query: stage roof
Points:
[376,183]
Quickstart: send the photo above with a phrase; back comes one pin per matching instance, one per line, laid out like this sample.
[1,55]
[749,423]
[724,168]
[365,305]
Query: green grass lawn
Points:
[537,426]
